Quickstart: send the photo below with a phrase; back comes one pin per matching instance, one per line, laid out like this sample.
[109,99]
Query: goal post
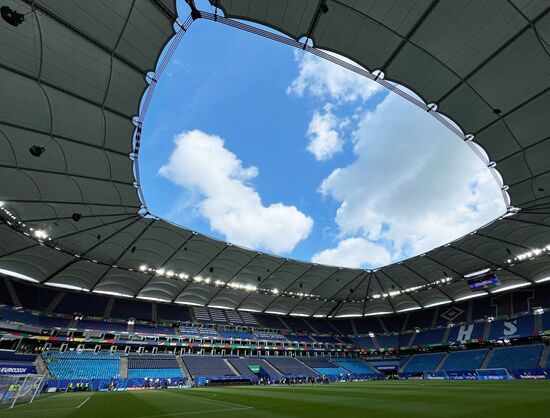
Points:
[493,374]
[19,388]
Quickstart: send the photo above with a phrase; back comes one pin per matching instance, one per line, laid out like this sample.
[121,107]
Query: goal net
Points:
[19,388]
[493,374]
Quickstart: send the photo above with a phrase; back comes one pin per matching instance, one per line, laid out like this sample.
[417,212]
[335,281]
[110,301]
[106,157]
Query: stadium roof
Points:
[73,76]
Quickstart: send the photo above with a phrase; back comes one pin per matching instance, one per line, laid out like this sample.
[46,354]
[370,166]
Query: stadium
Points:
[106,308]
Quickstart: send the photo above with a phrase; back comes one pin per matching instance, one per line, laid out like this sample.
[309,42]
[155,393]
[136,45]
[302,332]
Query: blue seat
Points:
[423,362]
[519,357]
[72,365]
[467,360]
[356,366]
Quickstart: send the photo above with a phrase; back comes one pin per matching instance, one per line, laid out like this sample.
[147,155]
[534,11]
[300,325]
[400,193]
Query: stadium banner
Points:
[119,384]
[178,344]
[532,374]
[17,369]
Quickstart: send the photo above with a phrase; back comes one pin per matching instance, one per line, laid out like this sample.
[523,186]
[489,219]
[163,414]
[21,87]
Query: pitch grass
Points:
[339,400]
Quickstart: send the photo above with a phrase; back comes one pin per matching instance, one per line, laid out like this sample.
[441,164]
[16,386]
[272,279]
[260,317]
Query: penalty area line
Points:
[85,400]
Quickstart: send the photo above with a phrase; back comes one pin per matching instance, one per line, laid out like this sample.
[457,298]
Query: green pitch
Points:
[370,399]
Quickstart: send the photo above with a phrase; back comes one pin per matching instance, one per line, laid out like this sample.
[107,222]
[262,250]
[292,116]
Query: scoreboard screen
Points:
[483,282]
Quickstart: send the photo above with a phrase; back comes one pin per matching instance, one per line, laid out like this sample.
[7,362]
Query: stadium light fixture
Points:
[275,312]
[412,308]
[151,298]
[348,316]
[36,150]
[444,302]
[473,295]
[249,310]
[544,279]
[40,234]
[220,307]
[184,302]
[378,313]
[529,255]
[513,286]
[477,273]
[111,293]
[67,286]
[18,275]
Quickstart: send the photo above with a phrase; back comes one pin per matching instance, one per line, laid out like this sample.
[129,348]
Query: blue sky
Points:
[267,147]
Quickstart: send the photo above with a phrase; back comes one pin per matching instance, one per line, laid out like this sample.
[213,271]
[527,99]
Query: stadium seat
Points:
[72,365]
[324,366]
[518,357]
[290,366]
[466,360]
[153,366]
[242,365]
[429,337]
[356,366]
[423,362]
[209,366]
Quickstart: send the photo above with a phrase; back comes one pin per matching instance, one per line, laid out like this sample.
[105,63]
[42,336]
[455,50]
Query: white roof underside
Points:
[74,74]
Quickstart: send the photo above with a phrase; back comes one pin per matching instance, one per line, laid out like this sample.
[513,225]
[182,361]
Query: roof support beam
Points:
[383,291]
[76,259]
[130,245]
[290,285]
[89,39]
[36,244]
[491,263]
[70,93]
[166,260]
[200,271]
[245,265]
[60,173]
[426,280]
[400,288]
[267,277]
[66,138]
[367,294]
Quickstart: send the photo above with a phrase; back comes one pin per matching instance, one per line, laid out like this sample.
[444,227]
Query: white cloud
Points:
[201,164]
[323,79]
[354,253]
[413,184]
[324,139]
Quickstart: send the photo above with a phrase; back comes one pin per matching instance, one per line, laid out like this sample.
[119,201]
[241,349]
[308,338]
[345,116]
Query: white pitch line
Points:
[200,398]
[85,400]
[199,412]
